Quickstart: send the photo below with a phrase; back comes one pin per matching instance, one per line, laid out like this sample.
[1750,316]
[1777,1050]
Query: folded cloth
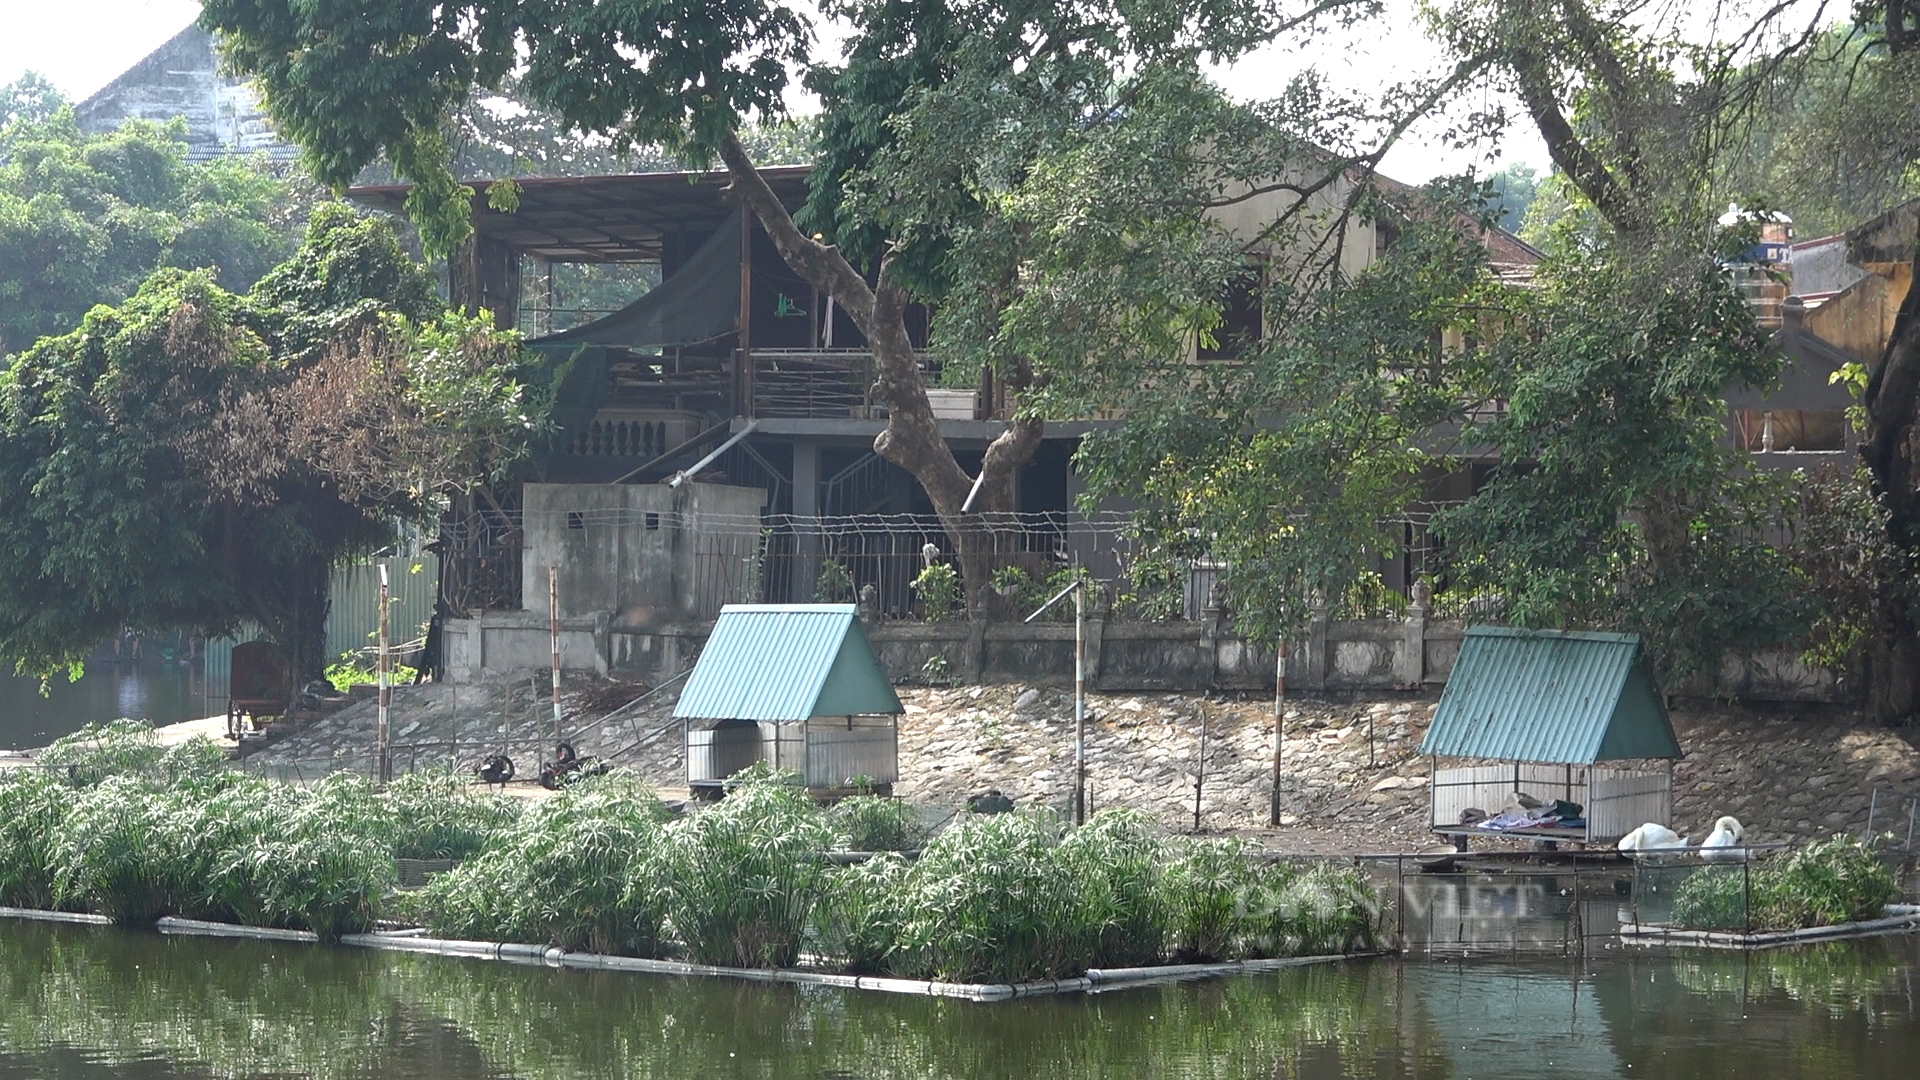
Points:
[1516,821]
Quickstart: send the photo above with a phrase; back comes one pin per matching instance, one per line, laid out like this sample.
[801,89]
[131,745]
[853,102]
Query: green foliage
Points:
[877,823]
[352,670]
[1836,881]
[835,583]
[32,803]
[85,218]
[584,870]
[196,458]
[858,915]
[938,586]
[1206,891]
[107,748]
[439,815]
[745,874]
[1288,464]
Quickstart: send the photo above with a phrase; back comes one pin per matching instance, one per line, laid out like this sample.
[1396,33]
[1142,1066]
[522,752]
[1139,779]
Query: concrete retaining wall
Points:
[1413,654]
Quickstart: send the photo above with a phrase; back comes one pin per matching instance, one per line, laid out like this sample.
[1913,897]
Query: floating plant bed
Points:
[1094,981]
[1899,918]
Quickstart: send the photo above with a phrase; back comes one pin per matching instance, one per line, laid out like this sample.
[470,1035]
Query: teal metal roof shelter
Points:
[1559,698]
[796,686]
[1554,708]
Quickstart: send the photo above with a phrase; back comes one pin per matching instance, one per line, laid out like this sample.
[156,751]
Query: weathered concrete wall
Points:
[503,644]
[647,554]
[1334,658]
[182,79]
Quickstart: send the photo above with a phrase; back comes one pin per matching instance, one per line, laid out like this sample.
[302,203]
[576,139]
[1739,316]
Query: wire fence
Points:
[876,558]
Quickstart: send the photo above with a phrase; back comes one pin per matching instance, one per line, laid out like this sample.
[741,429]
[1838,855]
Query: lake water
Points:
[85,1002]
[155,689]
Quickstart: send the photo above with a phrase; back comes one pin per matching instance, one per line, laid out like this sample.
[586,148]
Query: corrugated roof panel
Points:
[785,662]
[1568,697]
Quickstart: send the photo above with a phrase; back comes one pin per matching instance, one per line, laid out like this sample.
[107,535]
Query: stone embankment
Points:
[1351,775]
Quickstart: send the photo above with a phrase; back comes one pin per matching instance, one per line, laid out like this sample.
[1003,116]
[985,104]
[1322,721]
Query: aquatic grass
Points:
[877,823]
[1205,891]
[32,805]
[745,874]
[110,852]
[439,814]
[107,748]
[1836,881]
[584,870]
[1117,860]
[857,917]
[989,900]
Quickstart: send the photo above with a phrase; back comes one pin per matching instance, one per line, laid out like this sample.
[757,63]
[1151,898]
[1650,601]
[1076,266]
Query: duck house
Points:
[1570,720]
[795,686]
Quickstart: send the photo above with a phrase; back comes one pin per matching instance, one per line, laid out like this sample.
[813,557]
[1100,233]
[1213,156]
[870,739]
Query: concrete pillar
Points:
[1410,667]
[1319,662]
[806,513]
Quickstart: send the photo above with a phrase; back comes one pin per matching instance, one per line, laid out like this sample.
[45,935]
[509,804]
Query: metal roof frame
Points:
[786,663]
[1550,697]
[616,219]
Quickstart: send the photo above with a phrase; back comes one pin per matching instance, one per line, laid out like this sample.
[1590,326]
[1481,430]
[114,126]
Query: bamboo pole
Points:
[1279,730]
[553,623]
[383,726]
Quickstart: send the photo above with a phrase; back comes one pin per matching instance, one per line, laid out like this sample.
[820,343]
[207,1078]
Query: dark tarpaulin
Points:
[699,303]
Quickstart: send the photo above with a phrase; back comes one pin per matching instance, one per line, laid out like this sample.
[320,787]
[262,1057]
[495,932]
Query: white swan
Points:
[1723,845]
[1650,837]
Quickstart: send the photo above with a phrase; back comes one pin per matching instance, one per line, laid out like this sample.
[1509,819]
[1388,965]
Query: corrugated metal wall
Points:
[354,618]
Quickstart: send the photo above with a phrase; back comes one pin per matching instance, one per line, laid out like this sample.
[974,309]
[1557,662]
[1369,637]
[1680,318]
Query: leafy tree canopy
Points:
[195,457]
[85,218]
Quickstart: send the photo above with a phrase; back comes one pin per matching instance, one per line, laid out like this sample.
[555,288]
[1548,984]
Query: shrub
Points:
[110,853]
[440,815]
[32,804]
[1116,861]
[584,870]
[989,900]
[858,915]
[1839,880]
[1205,890]
[939,588]
[745,874]
[1323,910]
[109,748]
[877,823]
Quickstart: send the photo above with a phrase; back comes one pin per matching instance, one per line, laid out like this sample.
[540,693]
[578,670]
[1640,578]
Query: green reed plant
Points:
[439,814]
[1117,860]
[584,870]
[1205,890]
[1836,881]
[876,823]
[107,748]
[746,873]
[32,805]
[112,850]
[990,900]
[857,917]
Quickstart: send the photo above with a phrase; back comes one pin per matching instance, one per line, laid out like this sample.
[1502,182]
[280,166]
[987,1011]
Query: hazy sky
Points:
[82,44]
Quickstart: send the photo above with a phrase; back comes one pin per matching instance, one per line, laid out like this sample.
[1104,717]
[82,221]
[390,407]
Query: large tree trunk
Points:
[911,439]
[1892,649]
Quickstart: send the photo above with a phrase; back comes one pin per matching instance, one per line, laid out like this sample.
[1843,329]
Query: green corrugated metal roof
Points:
[1560,698]
[786,662]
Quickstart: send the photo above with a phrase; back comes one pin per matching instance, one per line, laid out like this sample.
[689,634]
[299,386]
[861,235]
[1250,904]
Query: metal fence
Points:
[352,618]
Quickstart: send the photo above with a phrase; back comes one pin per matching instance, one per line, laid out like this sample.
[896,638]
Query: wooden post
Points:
[553,622]
[1200,768]
[382,727]
[1079,704]
[1279,730]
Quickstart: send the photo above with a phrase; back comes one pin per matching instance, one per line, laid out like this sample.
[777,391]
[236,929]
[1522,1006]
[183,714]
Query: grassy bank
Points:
[125,828]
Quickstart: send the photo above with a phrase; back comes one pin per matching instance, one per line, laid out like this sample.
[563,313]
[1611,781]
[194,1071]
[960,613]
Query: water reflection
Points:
[86,1002]
[155,688]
